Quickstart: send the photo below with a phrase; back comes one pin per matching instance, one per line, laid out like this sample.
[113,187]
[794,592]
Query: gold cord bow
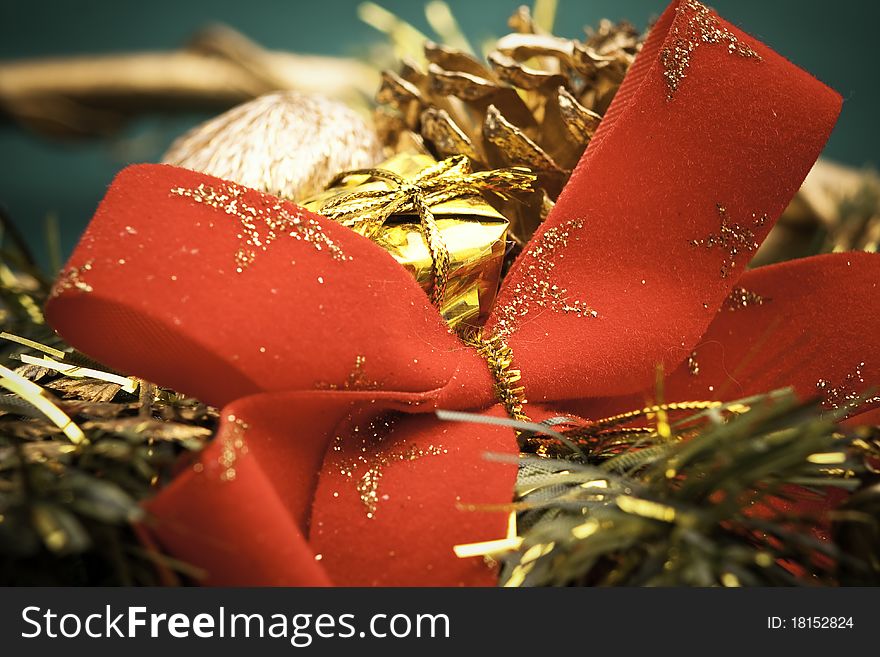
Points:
[441,182]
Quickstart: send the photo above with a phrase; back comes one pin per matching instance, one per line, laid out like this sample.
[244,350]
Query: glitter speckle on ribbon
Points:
[232,447]
[262,222]
[73,278]
[537,289]
[740,298]
[693,364]
[848,394]
[374,451]
[356,379]
[733,239]
[694,26]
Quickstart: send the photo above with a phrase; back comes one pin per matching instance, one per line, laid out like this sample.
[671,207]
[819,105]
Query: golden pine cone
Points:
[535,103]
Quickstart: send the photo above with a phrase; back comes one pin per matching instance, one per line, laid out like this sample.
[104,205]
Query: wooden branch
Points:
[93,95]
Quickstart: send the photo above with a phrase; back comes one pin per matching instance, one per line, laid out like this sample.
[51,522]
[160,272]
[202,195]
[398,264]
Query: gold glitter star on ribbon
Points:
[700,26]
[444,181]
[537,289]
[374,450]
[261,221]
[732,238]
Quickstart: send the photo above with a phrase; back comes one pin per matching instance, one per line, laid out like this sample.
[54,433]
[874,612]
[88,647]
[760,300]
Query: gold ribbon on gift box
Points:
[432,218]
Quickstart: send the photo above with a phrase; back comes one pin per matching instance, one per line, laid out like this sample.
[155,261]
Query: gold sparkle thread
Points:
[732,239]
[406,39]
[261,222]
[38,346]
[31,307]
[442,21]
[494,547]
[623,418]
[664,429]
[127,384]
[828,458]
[536,286]
[35,395]
[695,26]
[544,12]
[499,358]
[646,508]
[527,562]
[446,180]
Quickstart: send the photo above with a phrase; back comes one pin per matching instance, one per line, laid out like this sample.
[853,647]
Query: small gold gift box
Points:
[433,220]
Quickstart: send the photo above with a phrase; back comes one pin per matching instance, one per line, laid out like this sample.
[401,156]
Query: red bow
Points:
[327,358]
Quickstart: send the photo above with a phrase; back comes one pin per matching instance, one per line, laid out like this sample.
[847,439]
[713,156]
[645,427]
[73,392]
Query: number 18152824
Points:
[810,623]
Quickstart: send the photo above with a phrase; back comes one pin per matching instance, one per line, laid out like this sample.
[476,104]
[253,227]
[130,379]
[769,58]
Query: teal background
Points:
[836,41]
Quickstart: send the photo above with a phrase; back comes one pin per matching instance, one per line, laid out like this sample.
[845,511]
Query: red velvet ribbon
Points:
[308,349]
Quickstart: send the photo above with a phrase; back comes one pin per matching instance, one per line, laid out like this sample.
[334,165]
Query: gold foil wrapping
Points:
[474,234]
